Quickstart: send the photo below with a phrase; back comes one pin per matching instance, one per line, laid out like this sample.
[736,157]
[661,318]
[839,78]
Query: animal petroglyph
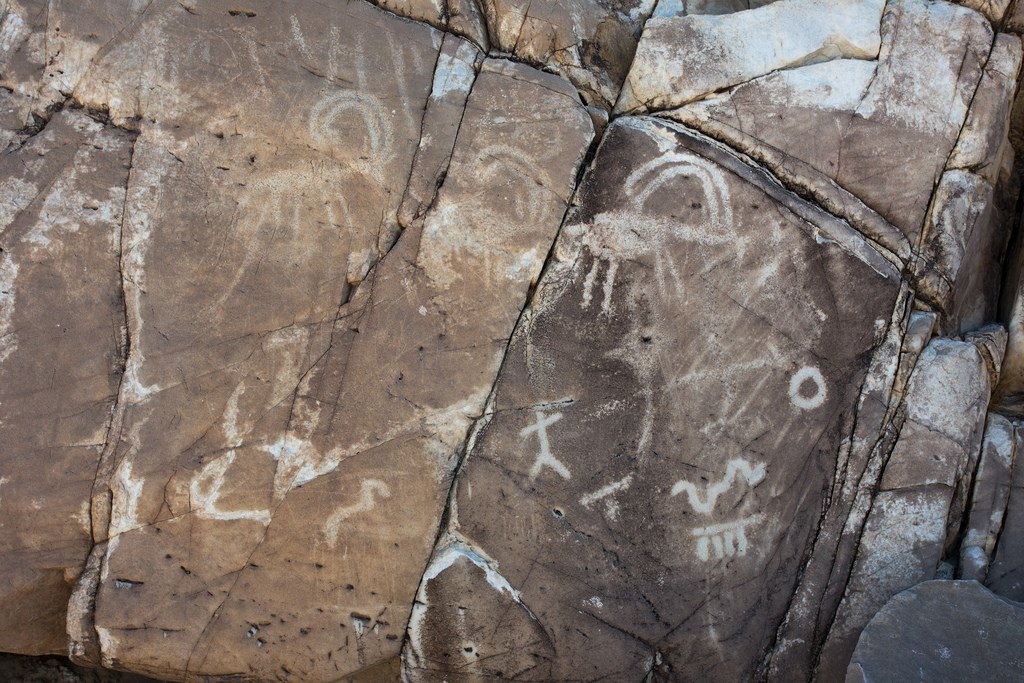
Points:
[727,540]
[369,491]
[736,468]
[629,234]
[799,381]
[611,509]
[544,457]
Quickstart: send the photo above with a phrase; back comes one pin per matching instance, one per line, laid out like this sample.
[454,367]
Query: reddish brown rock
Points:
[62,348]
[650,520]
[273,418]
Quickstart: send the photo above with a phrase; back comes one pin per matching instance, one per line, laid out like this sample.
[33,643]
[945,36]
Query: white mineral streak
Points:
[152,163]
[8,275]
[681,59]
[126,491]
[13,29]
[445,556]
[454,73]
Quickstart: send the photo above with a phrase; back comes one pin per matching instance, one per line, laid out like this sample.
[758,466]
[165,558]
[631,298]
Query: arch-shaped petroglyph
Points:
[800,378]
[504,159]
[369,491]
[705,504]
[341,102]
[629,233]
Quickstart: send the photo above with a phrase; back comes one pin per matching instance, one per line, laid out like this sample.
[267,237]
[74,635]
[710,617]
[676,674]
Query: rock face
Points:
[543,341]
[942,630]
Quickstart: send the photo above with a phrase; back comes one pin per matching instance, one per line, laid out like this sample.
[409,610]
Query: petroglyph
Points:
[727,540]
[705,504]
[369,491]
[797,393]
[544,457]
[605,493]
[628,234]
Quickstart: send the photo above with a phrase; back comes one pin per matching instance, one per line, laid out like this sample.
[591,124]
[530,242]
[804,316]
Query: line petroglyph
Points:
[605,493]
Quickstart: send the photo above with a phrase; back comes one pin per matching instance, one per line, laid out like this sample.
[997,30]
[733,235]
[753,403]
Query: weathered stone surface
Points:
[681,59]
[994,10]
[462,17]
[989,497]
[61,352]
[1006,573]
[682,8]
[915,515]
[883,130]
[942,631]
[271,389]
[591,42]
[355,360]
[646,521]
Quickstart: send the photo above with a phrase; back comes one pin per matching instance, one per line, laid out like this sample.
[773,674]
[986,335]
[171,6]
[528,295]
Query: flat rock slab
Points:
[662,514]
[61,355]
[942,631]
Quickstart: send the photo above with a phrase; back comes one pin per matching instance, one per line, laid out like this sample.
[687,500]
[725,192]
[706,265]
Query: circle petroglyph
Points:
[799,385]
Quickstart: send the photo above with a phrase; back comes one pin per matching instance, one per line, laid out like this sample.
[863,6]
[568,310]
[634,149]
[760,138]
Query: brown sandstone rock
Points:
[591,42]
[718,440]
[647,521]
[61,354]
[272,419]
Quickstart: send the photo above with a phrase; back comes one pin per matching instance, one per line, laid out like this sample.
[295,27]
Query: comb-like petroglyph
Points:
[476,339]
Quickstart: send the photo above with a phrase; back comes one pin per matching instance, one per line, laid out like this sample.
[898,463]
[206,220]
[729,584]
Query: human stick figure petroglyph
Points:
[367,498]
[544,458]
[735,469]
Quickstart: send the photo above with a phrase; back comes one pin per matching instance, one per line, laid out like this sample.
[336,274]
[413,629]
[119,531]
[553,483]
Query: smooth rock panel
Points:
[942,631]
[290,422]
[590,42]
[658,519]
[62,350]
